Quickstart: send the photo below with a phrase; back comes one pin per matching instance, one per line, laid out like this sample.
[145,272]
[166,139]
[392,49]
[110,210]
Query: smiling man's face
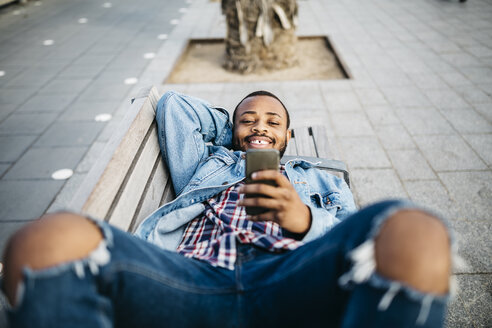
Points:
[260,123]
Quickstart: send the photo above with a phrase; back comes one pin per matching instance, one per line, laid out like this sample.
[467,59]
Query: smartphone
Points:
[258,160]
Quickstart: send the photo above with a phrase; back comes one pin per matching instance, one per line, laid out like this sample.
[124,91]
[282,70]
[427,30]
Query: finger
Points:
[276,176]
[267,216]
[268,203]
[259,188]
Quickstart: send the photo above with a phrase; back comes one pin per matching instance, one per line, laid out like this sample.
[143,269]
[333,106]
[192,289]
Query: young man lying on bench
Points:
[310,260]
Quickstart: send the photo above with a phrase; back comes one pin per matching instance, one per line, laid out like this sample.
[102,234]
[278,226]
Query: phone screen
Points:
[258,160]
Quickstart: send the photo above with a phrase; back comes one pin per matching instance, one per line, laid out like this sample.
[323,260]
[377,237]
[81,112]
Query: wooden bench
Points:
[129,181]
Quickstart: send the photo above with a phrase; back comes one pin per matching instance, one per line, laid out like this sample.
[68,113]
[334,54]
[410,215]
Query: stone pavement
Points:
[414,121]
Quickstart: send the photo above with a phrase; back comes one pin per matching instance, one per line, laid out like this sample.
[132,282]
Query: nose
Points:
[259,127]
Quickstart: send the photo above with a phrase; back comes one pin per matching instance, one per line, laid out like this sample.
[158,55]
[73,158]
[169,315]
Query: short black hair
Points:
[261,93]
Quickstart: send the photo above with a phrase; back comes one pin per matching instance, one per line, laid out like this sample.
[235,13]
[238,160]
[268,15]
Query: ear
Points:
[288,136]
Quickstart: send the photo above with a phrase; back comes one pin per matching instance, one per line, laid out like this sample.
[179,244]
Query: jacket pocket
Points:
[329,201]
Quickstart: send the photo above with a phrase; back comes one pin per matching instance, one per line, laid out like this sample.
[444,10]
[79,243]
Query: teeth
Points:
[259,142]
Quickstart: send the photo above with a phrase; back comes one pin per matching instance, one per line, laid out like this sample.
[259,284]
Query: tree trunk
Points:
[260,34]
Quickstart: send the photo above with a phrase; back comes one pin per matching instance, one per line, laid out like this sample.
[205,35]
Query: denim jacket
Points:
[195,140]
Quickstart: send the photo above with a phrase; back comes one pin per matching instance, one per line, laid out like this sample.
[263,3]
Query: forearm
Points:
[185,124]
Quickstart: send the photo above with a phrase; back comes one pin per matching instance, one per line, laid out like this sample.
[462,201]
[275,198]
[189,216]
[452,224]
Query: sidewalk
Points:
[414,122]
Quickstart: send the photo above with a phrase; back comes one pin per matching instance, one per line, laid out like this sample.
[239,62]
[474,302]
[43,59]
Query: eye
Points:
[246,121]
[274,123]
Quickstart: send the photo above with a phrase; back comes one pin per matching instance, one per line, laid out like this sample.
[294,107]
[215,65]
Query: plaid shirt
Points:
[212,235]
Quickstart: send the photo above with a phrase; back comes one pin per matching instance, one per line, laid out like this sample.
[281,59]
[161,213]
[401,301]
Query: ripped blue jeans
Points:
[330,282]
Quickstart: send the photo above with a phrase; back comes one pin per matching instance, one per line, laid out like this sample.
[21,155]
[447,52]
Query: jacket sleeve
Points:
[185,125]
[323,220]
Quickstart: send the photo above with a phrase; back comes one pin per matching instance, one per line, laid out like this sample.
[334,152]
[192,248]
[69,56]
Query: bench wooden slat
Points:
[98,191]
[324,145]
[152,196]
[304,142]
[126,202]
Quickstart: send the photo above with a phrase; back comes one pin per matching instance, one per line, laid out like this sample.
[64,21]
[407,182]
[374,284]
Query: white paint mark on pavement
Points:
[83,20]
[131,80]
[62,174]
[103,117]
[48,42]
[149,55]
[107,5]
[2,73]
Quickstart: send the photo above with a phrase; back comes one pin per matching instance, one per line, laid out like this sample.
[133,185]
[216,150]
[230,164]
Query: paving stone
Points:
[363,152]
[46,103]
[301,95]
[474,123]
[66,194]
[390,78]
[70,134]
[448,153]
[109,129]
[445,99]
[437,65]
[4,168]
[40,163]
[473,95]
[26,200]
[475,292]
[93,154]
[381,115]
[6,110]
[457,315]
[480,51]
[433,195]
[485,110]
[212,92]
[482,144]
[410,165]
[372,185]
[474,244]
[456,79]
[88,110]
[478,74]
[81,72]
[33,77]
[12,147]
[26,124]
[61,86]
[351,124]
[460,59]
[394,137]
[342,101]
[105,92]
[473,190]
[420,121]
[8,229]
[405,96]
[428,81]
[371,97]
[16,96]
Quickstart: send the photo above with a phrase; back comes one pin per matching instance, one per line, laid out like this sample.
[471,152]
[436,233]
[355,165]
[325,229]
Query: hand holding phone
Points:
[258,160]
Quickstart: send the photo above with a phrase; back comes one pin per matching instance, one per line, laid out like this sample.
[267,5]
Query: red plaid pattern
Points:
[212,236]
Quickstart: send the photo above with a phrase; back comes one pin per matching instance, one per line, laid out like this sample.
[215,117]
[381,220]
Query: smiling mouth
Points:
[259,141]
